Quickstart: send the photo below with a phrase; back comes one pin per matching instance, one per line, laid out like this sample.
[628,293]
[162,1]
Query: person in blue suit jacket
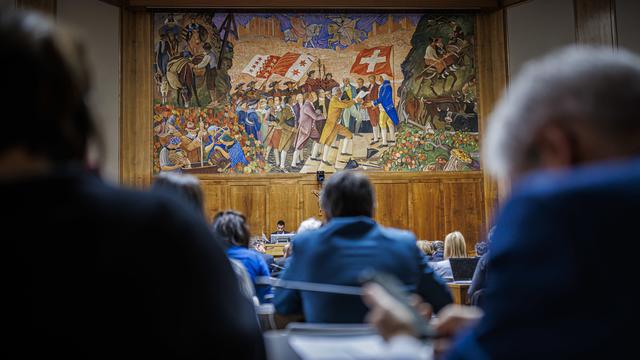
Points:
[350,244]
[547,297]
[388,114]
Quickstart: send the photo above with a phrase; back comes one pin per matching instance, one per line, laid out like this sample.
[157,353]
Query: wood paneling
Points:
[48,7]
[428,204]
[135,99]
[492,81]
[283,195]
[595,22]
[427,209]
[392,203]
[319,4]
[251,200]
[462,202]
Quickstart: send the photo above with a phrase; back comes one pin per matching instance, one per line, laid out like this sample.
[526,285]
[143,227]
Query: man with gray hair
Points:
[566,135]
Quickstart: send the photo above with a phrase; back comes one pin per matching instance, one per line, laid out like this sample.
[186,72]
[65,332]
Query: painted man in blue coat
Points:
[571,149]
[350,244]
[248,118]
[388,114]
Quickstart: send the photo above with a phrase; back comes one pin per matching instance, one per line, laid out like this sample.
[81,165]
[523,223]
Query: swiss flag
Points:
[374,61]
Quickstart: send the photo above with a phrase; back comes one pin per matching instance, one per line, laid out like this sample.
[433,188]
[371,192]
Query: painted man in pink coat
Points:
[307,129]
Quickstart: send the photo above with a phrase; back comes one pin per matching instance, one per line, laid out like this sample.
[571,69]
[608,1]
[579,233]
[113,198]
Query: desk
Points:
[459,292]
[277,250]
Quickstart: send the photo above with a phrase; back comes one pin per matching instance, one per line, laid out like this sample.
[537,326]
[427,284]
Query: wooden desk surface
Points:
[277,250]
[459,292]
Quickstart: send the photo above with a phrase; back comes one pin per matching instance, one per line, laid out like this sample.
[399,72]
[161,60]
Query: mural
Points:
[251,93]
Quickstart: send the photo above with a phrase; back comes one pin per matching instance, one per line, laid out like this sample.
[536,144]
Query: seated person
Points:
[479,280]
[93,271]
[438,250]
[350,243]
[309,224]
[280,228]
[454,247]
[232,229]
[425,248]
[547,295]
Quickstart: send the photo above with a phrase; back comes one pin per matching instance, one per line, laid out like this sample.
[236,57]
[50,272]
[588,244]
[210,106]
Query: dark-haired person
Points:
[106,272]
[349,244]
[280,228]
[231,227]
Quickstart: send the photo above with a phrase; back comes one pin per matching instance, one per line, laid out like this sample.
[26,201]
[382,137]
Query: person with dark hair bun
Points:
[231,228]
[106,272]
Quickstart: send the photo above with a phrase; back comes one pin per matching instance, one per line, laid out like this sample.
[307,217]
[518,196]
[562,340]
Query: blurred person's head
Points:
[571,107]
[186,187]
[309,224]
[48,78]
[425,247]
[454,245]
[280,225]
[347,193]
[231,227]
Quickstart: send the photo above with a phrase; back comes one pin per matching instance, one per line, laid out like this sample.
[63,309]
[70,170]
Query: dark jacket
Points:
[562,304]
[338,253]
[92,271]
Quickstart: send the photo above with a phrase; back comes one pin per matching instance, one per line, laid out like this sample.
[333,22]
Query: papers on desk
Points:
[370,347]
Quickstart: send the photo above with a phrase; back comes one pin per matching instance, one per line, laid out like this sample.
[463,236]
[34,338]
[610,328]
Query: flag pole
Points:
[393,75]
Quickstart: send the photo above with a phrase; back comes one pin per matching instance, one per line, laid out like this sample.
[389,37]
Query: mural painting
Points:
[239,93]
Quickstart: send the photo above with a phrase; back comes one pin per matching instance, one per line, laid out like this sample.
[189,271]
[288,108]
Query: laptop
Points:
[463,268]
[281,238]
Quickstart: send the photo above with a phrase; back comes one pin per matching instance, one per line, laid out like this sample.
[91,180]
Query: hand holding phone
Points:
[405,315]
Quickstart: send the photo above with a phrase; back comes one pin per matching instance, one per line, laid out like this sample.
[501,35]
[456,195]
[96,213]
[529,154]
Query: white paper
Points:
[362,94]
[370,347]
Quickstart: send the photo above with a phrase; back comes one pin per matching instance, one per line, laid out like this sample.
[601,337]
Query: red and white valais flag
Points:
[293,66]
[261,66]
[374,61]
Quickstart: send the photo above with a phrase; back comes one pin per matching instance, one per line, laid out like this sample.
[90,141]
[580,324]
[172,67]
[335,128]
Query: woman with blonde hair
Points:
[454,247]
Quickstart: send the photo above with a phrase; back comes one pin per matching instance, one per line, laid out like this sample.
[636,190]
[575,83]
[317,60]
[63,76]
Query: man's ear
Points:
[556,148]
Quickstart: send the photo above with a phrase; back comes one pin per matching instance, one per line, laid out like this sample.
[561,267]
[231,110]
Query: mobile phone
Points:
[396,289]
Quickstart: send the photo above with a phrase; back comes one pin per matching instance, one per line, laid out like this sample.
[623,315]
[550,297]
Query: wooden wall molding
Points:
[319,4]
[596,22]
[49,7]
[492,79]
[136,94]
[431,205]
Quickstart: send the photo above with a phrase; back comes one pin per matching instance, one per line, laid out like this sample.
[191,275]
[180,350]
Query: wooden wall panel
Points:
[136,99]
[318,4]
[391,207]
[492,81]
[428,204]
[216,197]
[251,200]
[283,204]
[462,202]
[310,201]
[48,7]
[595,22]
[427,208]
